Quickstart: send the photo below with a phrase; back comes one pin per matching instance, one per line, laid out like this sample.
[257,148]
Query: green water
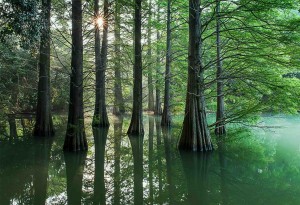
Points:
[259,166]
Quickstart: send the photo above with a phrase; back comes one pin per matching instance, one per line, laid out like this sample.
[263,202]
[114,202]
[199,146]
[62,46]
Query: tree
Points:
[220,126]
[119,107]
[100,116]
[136,124]
[157,110]
[149,57]
[166,115]
[75,137]
[195,133]
[21,18]
[43,123]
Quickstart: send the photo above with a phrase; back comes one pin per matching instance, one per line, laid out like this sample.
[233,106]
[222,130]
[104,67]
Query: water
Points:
[261,166]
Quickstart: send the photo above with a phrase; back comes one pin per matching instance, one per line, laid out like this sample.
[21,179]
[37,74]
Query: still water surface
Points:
[260,166]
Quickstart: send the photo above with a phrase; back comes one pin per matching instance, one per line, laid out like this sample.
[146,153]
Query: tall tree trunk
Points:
[166,116]
[100,116]
[158,110]
[43,124]
[100,138]
[195,133]
[75,137]
[149,55]
[119,107]
[220,126]
[136,124]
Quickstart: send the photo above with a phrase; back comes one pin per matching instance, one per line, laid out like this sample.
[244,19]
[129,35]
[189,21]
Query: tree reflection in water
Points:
[137,152]
[149,169]
[195,167]
[74,169]
[40,177]
[118,123]
[100,138]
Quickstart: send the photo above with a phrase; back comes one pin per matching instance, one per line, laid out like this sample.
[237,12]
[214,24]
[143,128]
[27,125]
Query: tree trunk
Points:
[149,56]
[75,137]
[166,116]
[220,126]
[158,110]
[136,124]
[100,116]
[12,127]
[195,133]
[100,138]
[43,123]
[119,107]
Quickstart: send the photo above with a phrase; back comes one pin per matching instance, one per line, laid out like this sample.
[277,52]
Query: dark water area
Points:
[254,166]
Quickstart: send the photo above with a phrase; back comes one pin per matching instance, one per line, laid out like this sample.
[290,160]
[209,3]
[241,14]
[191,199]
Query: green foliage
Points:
[21,18]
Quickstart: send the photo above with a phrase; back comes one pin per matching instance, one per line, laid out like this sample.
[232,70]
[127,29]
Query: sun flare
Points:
[100,21]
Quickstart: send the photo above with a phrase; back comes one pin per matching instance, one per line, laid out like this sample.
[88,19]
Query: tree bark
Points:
[220,126]
[119,107]
[43,123]
[166,116]
[149,56]
[75,137]
[195,133]
[136,124]
[100,116]
[158,110]
[12,127]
